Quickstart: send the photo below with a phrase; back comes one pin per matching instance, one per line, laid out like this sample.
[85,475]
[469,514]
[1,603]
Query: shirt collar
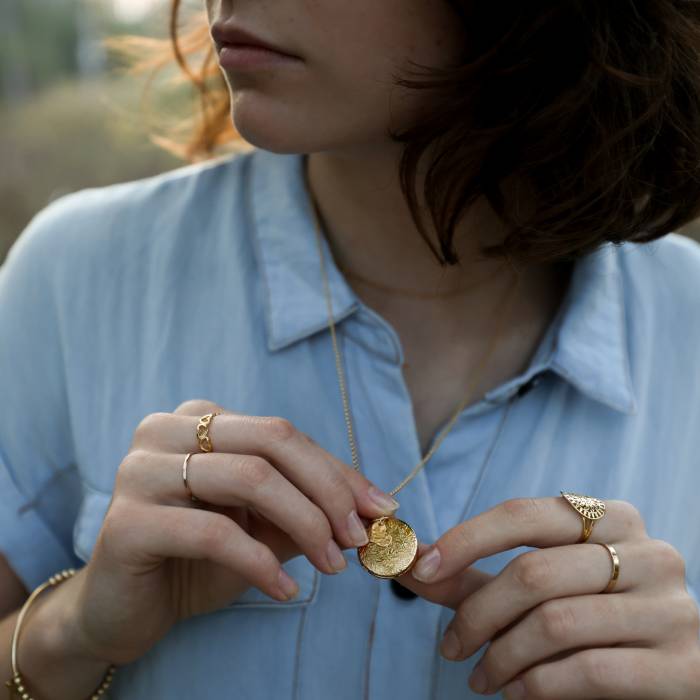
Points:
[287,252]
[586,343]
[591,347]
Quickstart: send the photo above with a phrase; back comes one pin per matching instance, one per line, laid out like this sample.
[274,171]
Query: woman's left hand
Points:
[552,633]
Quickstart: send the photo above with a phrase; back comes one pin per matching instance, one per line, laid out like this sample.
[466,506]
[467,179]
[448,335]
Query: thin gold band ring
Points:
[184,477]
[615,574]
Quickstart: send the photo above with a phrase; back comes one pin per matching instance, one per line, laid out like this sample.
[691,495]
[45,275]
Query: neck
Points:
[371,233]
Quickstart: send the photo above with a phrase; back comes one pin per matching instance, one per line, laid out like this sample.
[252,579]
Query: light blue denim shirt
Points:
[204,282]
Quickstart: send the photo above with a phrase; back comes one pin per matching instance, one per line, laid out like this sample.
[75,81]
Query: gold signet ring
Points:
[590,509]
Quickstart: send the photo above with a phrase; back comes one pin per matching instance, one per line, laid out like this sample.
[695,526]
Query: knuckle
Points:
[537,685]
[522,510]
[309,439]
[119,520]
[695,669]
[557,621]
[149,426]
[213,534]
[463,537]
[630,516]
[689,613]
[667,559]
[252,470]
[316,522]
[265,564]
[111,521]
[196,406]
[336,483]
[278,429]
[131,467]
[596,671]
[532,571]
[467,621]
[497,663]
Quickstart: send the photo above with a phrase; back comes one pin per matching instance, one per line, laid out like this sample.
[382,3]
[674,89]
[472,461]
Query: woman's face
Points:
[339,96]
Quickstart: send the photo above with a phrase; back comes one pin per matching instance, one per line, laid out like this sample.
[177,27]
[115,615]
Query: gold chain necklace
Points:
[393,545]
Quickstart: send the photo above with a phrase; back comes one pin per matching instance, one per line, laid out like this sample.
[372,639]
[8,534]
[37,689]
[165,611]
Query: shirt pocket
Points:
[91,514]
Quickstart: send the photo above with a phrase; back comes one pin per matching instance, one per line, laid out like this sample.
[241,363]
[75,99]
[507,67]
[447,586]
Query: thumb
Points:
[449,592]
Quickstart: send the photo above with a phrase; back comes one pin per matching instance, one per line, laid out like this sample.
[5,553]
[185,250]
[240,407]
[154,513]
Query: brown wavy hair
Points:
[595,105]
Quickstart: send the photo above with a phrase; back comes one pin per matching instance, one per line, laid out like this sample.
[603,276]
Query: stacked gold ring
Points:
[590,509]
[205,445]
[184,477]
[615,574]
[203,432]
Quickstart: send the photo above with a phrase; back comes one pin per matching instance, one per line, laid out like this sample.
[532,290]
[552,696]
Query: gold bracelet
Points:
[16,682]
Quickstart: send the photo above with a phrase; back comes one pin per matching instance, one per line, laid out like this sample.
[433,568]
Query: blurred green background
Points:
[68,119]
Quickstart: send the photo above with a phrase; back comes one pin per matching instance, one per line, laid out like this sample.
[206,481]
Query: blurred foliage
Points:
[28,59]
[69,116]
[73,135]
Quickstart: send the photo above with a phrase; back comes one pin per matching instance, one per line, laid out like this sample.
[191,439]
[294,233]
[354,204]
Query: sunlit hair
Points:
[593,105]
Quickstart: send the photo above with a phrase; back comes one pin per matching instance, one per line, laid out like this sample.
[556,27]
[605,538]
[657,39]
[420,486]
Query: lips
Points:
[228,34]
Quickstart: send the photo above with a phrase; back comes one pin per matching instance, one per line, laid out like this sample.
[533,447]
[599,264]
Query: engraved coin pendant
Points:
[392,547]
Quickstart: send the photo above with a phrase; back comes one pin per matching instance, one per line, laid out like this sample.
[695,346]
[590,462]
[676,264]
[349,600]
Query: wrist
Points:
[60,623]
[52,655]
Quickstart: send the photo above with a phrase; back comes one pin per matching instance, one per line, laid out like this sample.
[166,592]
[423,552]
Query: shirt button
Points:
[401,591]
[530,384]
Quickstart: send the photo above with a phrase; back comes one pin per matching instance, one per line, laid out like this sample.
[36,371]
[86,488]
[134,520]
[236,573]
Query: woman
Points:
[557,141]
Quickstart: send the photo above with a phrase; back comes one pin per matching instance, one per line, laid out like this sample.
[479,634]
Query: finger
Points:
[534,522]
[615,674]
[277,439]
[451,591]
[541,575]
[234,480]
[340,491]
[582,621]
[147,535]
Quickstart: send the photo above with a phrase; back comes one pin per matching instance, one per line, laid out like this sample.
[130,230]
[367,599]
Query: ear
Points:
[451,591]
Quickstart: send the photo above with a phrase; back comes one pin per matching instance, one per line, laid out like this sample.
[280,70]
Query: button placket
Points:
[388,450]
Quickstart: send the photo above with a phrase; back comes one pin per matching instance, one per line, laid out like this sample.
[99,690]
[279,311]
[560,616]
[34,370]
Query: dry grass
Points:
[72,136]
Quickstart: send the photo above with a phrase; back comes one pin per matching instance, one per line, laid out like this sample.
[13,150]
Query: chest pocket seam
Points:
[301,570]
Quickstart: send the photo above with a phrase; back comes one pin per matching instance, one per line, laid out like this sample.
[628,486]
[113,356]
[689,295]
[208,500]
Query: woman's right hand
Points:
[268,493]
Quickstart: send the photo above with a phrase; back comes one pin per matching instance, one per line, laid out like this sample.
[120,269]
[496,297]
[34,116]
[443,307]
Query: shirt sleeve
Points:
[39,486]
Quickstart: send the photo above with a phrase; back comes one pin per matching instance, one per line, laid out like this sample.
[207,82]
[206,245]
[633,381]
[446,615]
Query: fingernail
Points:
[358,534]
[287,584]
[477,680]
[514,691]
[450,647]
[335,556]
[426,567]
[383,500]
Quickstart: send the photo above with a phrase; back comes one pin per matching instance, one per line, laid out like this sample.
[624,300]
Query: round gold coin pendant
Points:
[392,547]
